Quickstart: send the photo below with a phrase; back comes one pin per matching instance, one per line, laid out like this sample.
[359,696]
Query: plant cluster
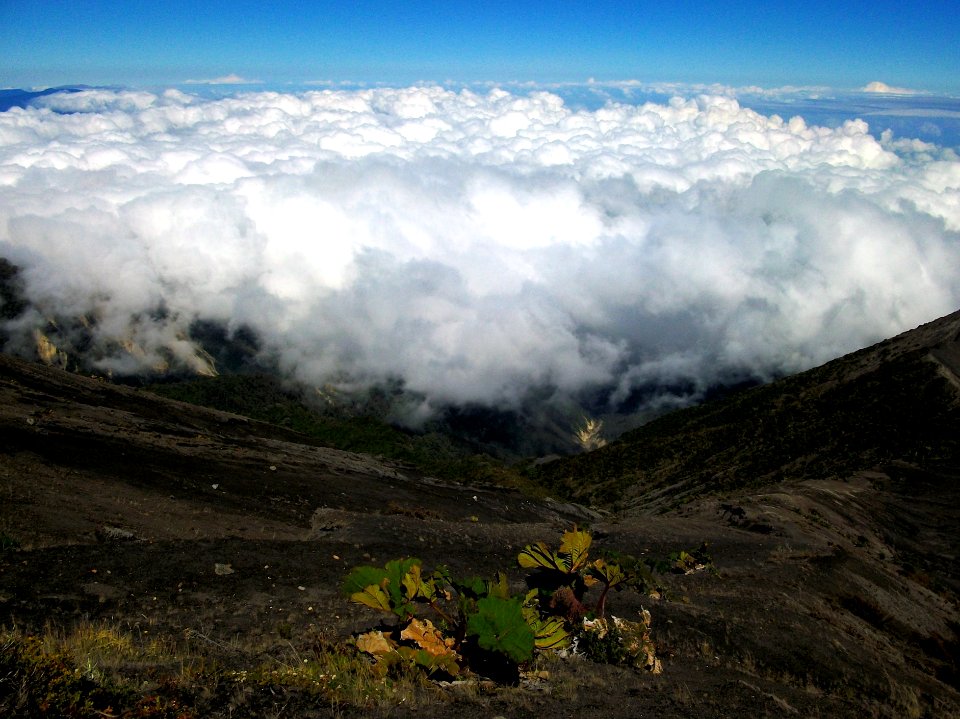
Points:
[8,543]
[685,562]
[481,625]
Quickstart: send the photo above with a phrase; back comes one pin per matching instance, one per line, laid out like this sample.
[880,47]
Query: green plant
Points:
[619,641]
[695,560]
[473,615]
[8,543]
[479,622]
[499,626]
[562,578]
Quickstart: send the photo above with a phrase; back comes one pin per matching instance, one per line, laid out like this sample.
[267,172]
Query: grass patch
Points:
[76,674]
[99,670]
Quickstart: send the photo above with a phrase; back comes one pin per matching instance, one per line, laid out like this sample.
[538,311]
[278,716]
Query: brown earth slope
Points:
[834,595]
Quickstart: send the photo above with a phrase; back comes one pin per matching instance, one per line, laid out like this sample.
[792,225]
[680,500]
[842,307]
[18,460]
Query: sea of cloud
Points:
[475,246]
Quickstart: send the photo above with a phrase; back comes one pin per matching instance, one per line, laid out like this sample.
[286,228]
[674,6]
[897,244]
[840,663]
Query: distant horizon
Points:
[905,113]
[235,83]
[141,44]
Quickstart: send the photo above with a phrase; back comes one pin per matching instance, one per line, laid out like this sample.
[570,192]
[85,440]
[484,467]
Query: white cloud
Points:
[475,245]
[231,79]
[884,89]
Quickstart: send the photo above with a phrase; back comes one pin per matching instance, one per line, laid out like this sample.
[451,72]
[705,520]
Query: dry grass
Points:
[91,666]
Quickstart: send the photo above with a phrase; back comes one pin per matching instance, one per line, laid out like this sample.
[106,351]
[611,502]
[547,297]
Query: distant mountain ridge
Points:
[17,97]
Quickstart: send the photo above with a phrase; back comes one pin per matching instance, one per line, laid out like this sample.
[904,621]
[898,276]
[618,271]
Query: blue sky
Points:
[840,45]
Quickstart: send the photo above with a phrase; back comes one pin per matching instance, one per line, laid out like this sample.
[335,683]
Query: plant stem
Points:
[602,601]
[446,617]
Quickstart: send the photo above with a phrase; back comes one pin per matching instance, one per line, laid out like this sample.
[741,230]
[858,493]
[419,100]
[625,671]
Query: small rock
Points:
[114,534]
[222,570]
[326,519]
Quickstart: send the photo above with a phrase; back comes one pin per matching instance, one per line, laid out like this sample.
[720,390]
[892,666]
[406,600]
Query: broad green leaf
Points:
[441,581]
[396,570]
[374,597]
[473,587]
[362,577]
[575,546]
[432,663]
[571,558]
[498,586]
[416,586]
[381,589]
[499,626]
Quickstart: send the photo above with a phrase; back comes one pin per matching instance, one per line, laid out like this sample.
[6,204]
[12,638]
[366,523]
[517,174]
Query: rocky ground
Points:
[228,539]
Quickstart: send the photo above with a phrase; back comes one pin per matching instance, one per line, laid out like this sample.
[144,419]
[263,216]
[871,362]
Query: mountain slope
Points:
[829,502]
[897,401]
[153,461]
[854,469]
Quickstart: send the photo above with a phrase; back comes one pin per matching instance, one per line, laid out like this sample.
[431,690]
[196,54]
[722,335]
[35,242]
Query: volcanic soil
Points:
[208,529]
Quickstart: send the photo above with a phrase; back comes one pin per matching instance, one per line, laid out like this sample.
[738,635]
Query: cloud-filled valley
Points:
[474,247]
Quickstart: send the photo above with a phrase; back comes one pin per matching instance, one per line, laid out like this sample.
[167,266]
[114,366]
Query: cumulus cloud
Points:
[883,88]
[477,246]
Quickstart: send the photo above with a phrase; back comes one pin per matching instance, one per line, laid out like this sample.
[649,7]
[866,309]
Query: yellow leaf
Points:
[428,638]
[415,586]
[576,544]
[372,596]
[539,555]
[548,633]
[374,643]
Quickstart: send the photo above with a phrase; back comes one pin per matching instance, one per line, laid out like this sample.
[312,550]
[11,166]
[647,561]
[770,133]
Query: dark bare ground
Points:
[833,598]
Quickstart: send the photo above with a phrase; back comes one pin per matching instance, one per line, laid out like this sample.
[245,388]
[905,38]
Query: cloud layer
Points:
[475,246]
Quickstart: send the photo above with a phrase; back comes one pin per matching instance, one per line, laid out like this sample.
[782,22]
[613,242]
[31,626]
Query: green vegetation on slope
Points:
[263,398]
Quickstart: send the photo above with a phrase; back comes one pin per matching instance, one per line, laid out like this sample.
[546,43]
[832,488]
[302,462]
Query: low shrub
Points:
[478,625]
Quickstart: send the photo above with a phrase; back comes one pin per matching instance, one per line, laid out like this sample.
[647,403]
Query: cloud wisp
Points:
[475,247]
[231,79]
